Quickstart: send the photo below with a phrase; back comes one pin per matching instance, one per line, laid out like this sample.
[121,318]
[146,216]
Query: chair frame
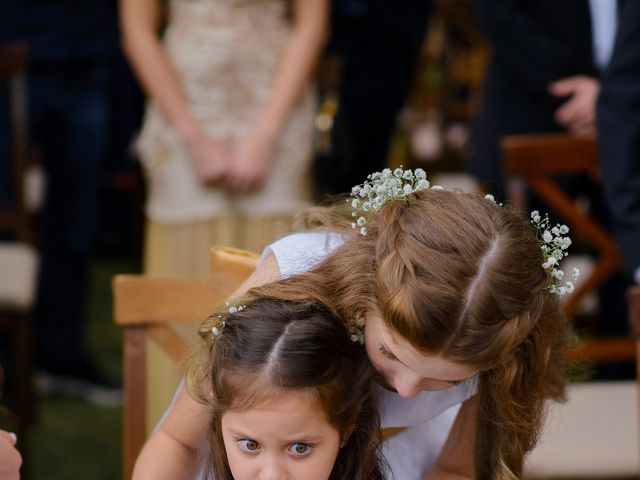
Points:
[536,159]
[146,306]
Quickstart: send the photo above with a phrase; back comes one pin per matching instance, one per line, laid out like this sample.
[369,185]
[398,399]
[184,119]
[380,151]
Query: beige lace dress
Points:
[226,53]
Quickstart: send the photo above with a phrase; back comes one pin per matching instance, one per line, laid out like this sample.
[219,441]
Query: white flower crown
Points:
[383,187]
[355,328]
[221,320]
[554,244]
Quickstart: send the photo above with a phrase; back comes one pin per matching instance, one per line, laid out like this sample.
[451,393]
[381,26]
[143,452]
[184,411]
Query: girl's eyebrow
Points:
[313,438]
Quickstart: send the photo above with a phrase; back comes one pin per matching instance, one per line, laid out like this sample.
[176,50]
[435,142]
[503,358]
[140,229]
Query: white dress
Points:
[428,417]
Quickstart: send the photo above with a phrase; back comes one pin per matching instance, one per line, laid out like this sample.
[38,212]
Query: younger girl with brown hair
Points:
[289,394]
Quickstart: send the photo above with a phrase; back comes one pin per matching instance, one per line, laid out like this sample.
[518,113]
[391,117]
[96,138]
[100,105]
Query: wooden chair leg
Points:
[134,396]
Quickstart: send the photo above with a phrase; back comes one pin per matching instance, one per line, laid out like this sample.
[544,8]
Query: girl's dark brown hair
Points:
[458,276]
[273,346]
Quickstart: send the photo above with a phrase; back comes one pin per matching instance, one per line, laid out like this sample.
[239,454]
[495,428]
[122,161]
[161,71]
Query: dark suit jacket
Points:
[618,117]
[533,42]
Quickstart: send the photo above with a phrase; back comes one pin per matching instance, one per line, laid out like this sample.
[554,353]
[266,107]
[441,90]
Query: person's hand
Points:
[250,164]
[577,114]
[10,459]
[210,158]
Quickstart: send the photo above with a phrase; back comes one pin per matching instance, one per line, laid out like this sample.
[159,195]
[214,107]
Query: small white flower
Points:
[383,187]
[420,174]
[363,231]
[422,184]
[547,237]
[490,197]
[535,216]
[215,331]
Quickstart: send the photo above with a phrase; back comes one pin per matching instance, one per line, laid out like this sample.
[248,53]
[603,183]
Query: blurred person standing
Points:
[618,119]
[534,43]
[377,44]
[70,45]
[227,138]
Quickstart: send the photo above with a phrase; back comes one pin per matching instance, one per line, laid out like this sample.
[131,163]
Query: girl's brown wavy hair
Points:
[458,276]
[273,346]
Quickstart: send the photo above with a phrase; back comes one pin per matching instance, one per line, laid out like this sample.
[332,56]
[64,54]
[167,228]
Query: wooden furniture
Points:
[536,159]
[595,433]
[150,307]
[18,257]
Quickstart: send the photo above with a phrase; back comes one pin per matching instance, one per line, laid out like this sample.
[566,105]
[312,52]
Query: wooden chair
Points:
[150,307]
[595,434]
[18,257]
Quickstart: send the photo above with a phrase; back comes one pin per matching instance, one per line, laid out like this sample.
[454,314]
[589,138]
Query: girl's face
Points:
[405,369]
[287,438]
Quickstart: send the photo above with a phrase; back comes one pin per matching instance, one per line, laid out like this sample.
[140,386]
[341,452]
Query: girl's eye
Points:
[300,449]
[248,446]
[454,382]
[387,353]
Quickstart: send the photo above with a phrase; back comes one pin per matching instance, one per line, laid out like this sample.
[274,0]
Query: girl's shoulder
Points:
[300,252]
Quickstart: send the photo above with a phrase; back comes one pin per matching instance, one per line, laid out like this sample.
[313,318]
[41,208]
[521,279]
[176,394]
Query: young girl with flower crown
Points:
[289,394]
[457,297]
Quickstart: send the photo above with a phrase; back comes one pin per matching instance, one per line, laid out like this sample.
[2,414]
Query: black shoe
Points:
[82,379]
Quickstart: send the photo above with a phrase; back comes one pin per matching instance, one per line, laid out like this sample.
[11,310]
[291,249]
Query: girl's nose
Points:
[272,470]
[407,384]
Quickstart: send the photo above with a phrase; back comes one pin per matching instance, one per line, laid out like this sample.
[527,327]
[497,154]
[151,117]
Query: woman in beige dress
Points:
[226,140]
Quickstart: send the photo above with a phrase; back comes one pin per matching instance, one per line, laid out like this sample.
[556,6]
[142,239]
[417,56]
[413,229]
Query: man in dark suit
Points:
[618,119]
[534,44]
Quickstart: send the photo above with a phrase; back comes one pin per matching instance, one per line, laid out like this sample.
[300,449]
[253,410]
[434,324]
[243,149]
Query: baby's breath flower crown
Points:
[220,320]
[355,328]
[383,187]
[386,186]
[554,244]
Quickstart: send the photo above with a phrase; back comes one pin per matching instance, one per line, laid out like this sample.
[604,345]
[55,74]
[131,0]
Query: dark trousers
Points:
[379,46]
[68,116]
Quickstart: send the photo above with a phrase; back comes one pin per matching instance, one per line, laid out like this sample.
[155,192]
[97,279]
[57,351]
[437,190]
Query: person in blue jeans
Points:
[70,46]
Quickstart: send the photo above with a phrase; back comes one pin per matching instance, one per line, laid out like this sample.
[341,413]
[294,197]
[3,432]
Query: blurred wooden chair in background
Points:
[160,309]
[596,433]
[18,256]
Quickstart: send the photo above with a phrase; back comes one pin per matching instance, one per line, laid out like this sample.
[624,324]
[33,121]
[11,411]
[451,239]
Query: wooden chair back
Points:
[147,307]
[537,159]
[566,448]
[15,216]
[18,258]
